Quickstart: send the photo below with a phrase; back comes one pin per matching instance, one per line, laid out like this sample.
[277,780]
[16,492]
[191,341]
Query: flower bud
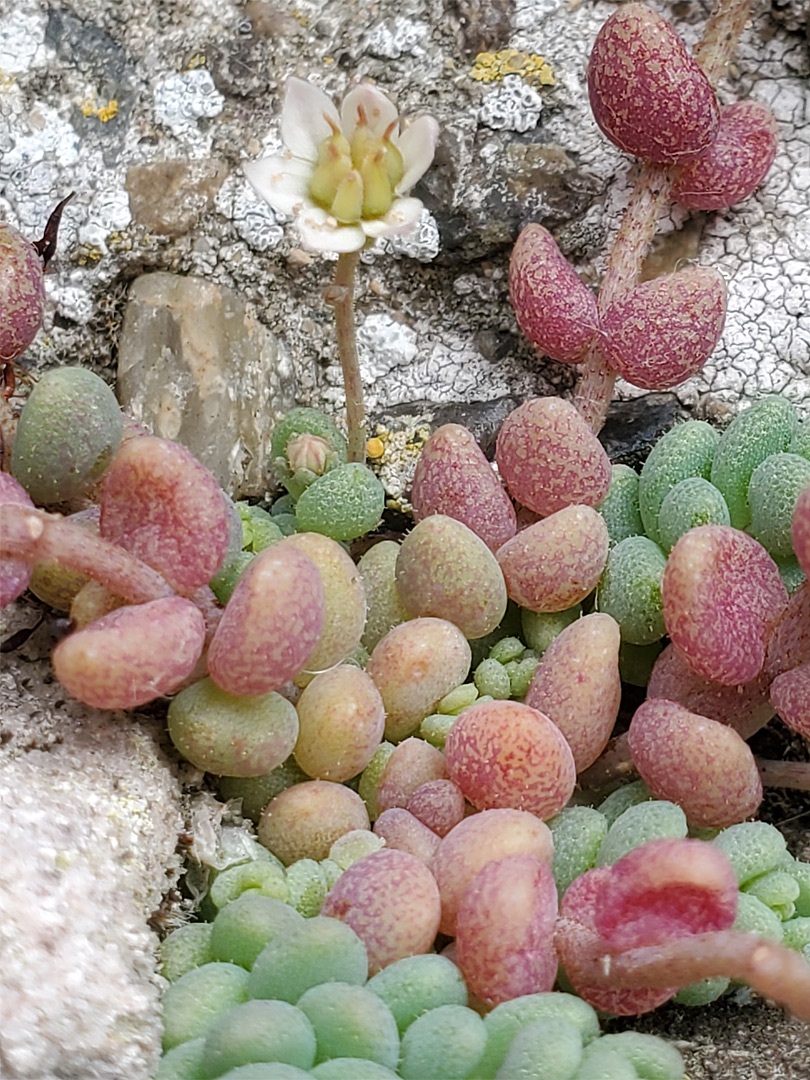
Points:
[364,144]
[307,451]
[394,165]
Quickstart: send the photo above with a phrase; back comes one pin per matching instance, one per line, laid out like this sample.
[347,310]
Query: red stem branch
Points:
[772,970]
[34,536]
[649,199]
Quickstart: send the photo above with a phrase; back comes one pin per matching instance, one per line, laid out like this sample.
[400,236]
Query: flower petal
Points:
[402,217]
[417,144]
[379,109]
[304,123]
[282,182]
[320,232]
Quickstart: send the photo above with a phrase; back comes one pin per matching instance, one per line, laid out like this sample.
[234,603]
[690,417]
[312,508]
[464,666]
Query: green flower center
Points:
[354,180]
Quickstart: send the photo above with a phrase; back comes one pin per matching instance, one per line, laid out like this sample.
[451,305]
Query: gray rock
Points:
[91,814]
[633,427]
[195,365]
[93,50]
[169,197]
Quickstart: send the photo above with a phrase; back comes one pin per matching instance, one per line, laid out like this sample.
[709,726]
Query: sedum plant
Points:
[426,788]
[655,101]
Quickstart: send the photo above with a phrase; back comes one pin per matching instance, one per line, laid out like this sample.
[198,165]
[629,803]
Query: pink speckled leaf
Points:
[735,164]
[391,901]
[506,754]
[15,573]
[664,330]
[505,938]
[413,667]
[133,655]
[413,763]
[745,708]
[664,890]
[555,309]
[454,478]
[790,694]
[402,830]
[22,292]
[576,937]
[552,565]
[162,505]
[789,644]
[577,685]
[800,530]
[648,95]
[549,457]
[271,623]
[722,596]
[700,764]
[439,804]
[445,570]
[479,839]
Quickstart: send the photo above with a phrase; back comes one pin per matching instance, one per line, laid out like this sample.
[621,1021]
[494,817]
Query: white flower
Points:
[345,175]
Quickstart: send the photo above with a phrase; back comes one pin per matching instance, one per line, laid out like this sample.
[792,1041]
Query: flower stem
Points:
[649,199]
[341,296]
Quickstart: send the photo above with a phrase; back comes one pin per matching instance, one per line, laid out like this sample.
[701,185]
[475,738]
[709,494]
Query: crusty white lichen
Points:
[90,826]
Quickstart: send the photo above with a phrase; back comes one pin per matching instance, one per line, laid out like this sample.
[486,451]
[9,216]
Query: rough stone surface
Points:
[168,197]
[90,91]
[216,380]
[91,813]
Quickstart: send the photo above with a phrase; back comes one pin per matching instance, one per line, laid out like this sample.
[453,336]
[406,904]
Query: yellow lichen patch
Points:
[375,448]
[89,254]
[491,67]
[197,60]
[104,112]
[119,241]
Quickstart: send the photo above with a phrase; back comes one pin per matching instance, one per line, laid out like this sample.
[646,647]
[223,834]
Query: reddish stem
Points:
[772,970]
[649,199]
[640,222]
[785,774]
[716,48]
[34,536]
